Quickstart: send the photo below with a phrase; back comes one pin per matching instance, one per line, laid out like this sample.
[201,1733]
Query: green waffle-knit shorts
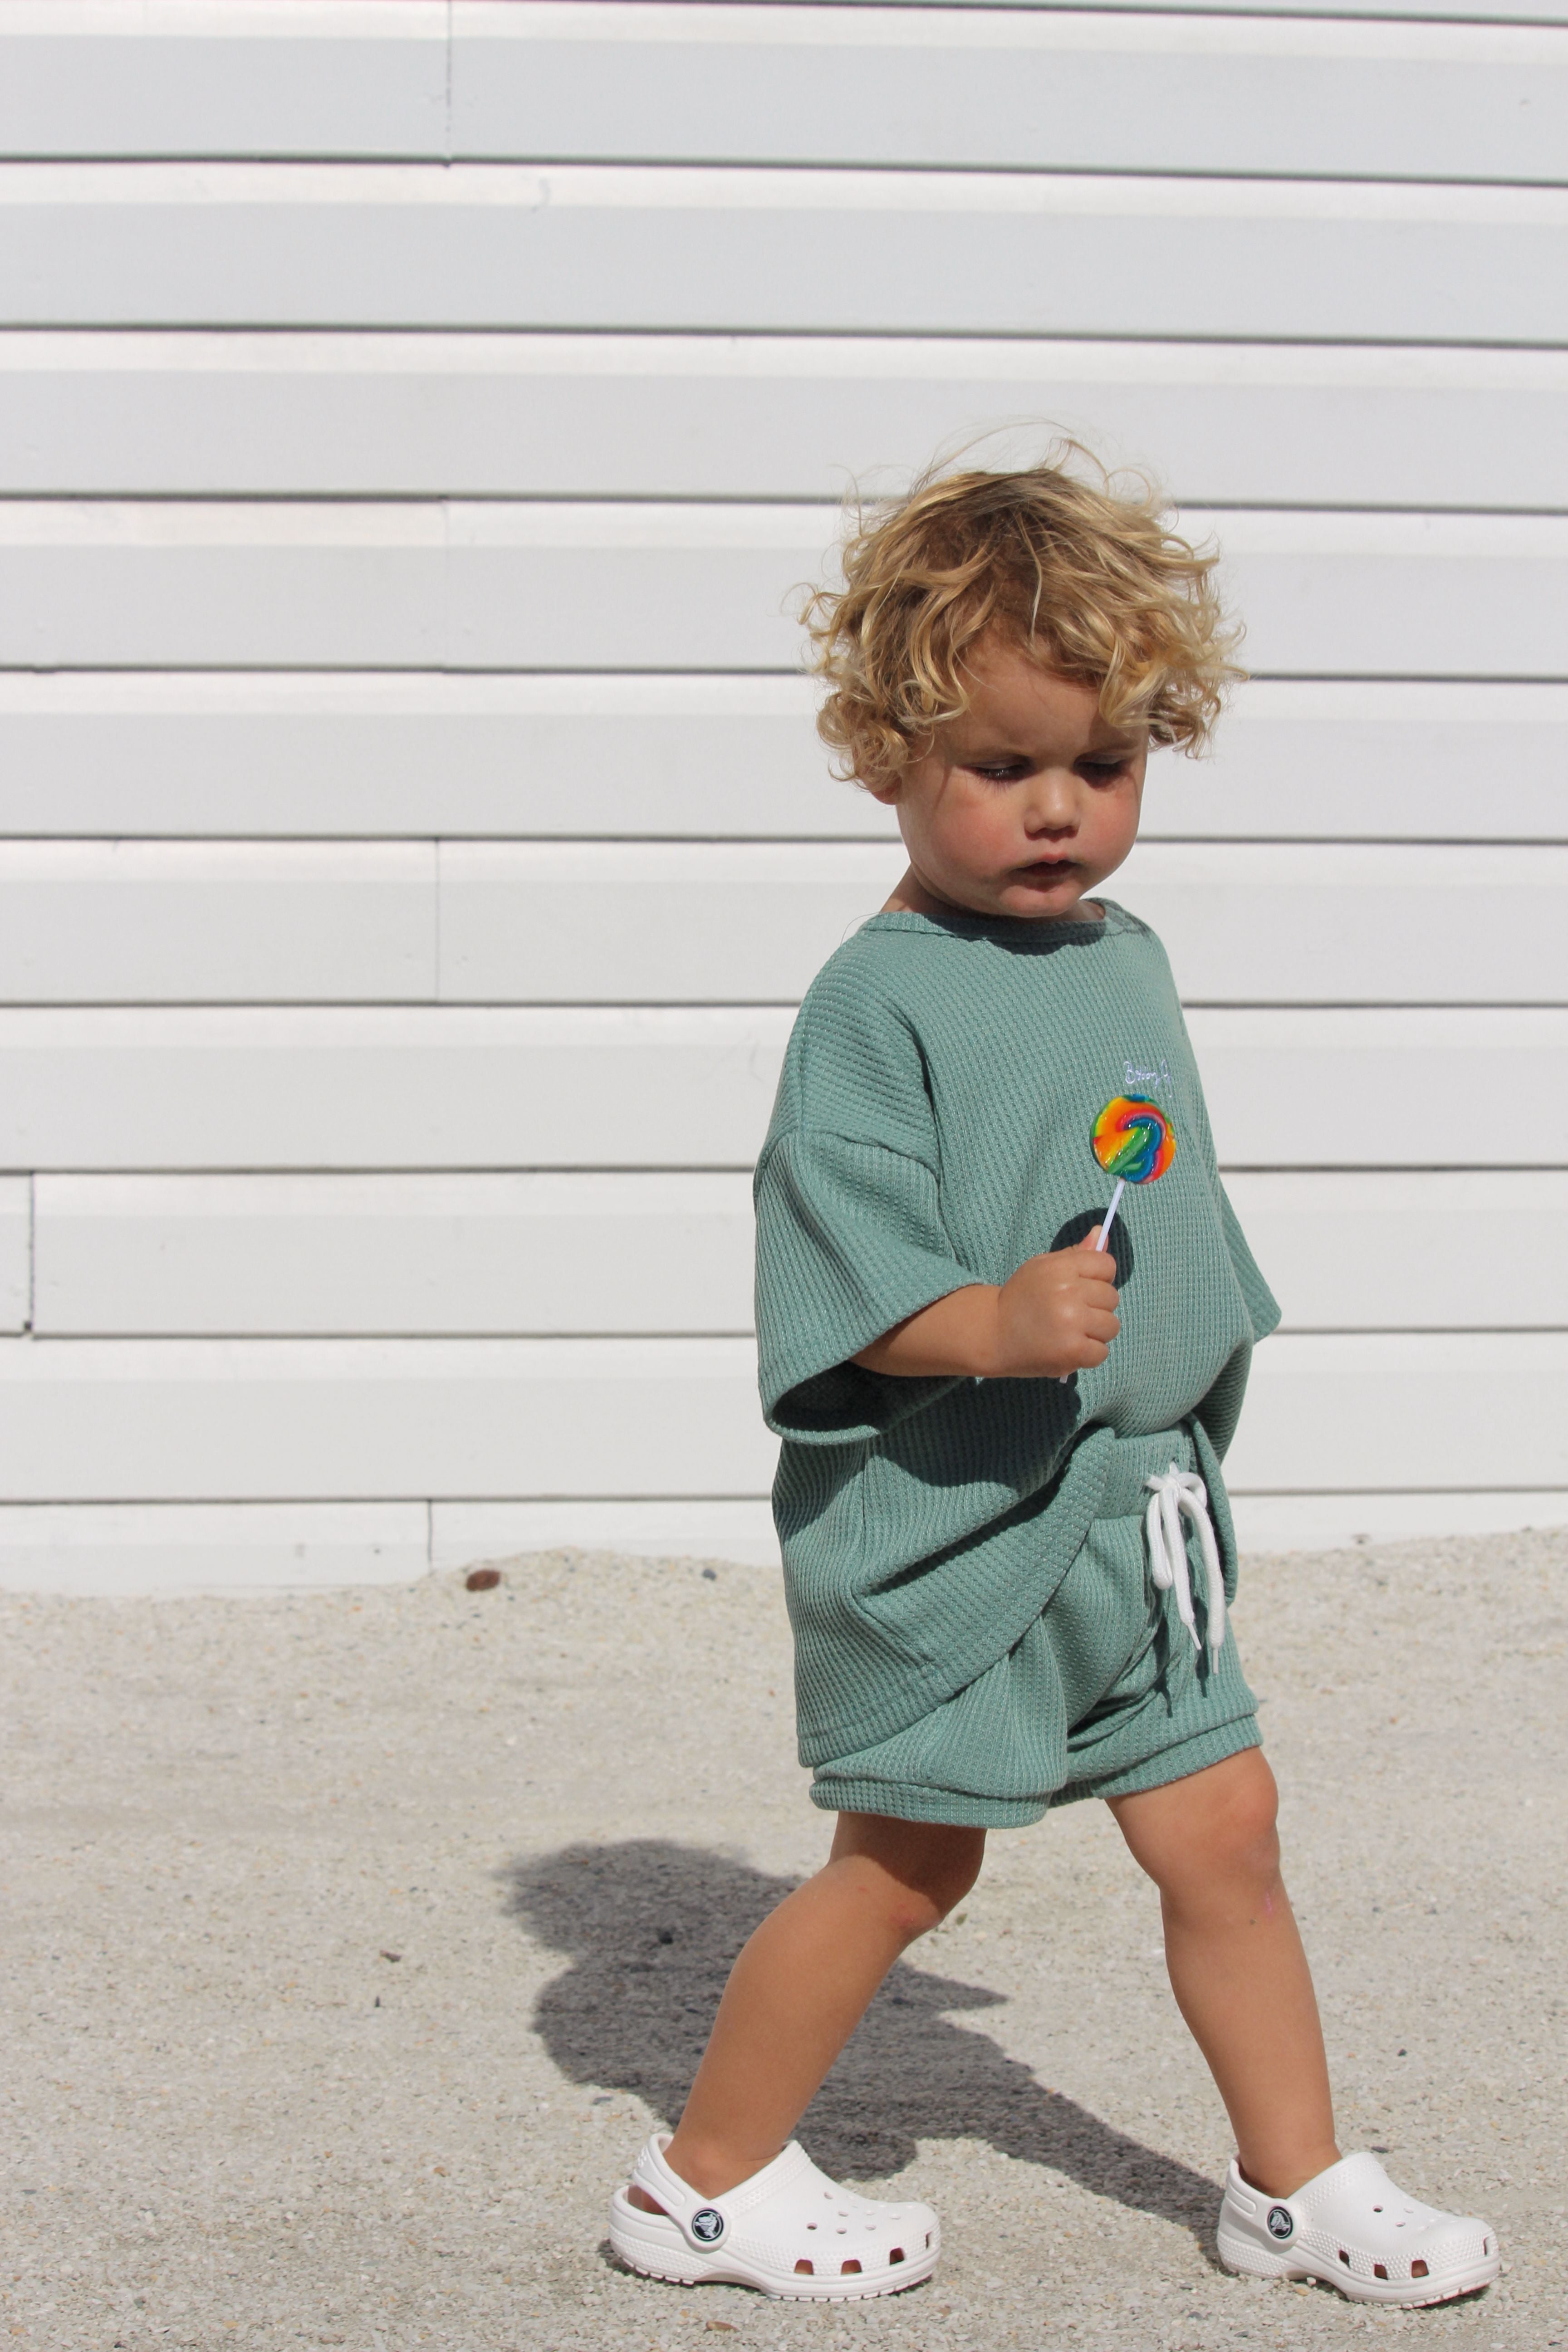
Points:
[1105,1695]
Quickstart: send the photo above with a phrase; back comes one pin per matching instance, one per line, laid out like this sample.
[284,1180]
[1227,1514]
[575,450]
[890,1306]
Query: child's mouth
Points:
[1047,869]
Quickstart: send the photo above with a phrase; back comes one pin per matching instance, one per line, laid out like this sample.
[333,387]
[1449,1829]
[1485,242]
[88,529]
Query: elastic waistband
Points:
[1132,1460]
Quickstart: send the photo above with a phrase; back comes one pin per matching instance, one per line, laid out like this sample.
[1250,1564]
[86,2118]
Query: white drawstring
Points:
[1179,1491]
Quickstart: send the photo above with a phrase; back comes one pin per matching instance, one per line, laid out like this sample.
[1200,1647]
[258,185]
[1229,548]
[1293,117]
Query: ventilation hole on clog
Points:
[845,2269]
[1377,2209]
[804,2269]
[1344,2258]
[1380,2270]
[928,2241]
[895,2253]
[1418,2268]
[811,2225]
[1486,2245]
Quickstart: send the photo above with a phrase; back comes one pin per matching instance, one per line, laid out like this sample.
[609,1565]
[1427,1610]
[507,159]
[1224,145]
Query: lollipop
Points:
[1133,1142]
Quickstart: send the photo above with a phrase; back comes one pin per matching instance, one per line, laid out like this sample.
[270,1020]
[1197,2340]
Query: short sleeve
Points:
[849,1242]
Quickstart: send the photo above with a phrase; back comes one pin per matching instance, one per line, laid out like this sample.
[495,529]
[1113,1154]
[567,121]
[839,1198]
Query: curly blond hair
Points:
[1082,575]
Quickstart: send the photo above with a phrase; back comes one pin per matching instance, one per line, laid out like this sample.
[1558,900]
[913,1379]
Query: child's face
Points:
[1024,804]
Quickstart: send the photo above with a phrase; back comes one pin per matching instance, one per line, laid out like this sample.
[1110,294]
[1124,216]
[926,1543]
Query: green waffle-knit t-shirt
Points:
[932,1130]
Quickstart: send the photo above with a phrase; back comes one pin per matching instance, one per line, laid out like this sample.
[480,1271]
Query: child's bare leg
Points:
[802,1984]
[1237,1969]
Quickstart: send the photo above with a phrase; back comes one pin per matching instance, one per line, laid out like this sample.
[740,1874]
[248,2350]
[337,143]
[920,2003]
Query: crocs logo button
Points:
[1279,2222]
[708,2224]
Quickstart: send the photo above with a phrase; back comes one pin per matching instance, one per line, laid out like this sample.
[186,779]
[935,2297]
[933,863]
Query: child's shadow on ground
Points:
[651,1928]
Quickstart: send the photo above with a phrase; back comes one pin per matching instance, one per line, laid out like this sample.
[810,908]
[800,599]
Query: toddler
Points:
[1006,1541]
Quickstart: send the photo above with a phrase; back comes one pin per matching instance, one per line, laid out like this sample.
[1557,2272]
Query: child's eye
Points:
[1004,775]
[1102,772]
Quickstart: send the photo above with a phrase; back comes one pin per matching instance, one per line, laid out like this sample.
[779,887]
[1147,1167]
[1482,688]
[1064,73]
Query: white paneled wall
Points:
[416,423]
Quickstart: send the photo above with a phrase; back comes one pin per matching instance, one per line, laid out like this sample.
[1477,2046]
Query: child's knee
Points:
[1244,1834]
[1220,1826]
[1235,1843]
[949,1868]
[925,1867]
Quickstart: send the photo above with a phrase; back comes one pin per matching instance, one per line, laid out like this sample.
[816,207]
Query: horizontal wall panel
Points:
[741,1531]
[171,1256]
[549,922]
[415,1088]
[725,757]
[462,1419]
[255,68]
[478,587]
[281,78]
[1475,1410]
[1288,924]
[653,923]
[16,1252]
[1372,761]
[1526,12]
[137,1547]
[796,84]
[125,755]
[528,586]
[351,245]
[193,923]
[360,1420]
[1436,1251]
[575,1254]
[1080,91]
[608,415]
[459,1088]
[1383,1089]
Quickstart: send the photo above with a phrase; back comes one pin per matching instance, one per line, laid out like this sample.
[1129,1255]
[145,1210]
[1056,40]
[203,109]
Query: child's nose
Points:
[1052,803]
[1051,812]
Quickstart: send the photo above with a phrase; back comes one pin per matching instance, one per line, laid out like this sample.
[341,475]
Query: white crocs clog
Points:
[1352,2228]
[788,2231]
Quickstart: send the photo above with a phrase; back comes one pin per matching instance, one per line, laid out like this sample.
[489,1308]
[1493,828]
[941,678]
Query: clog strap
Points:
[706,2222]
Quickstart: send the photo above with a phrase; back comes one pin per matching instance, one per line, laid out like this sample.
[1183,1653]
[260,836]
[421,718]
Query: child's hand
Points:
[1058,1314]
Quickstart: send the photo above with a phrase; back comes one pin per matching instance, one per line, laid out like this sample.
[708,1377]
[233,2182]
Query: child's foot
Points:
[1353,2228]
[788,2230]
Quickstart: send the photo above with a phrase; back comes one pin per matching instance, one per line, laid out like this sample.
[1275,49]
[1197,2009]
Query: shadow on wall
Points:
[651,1929]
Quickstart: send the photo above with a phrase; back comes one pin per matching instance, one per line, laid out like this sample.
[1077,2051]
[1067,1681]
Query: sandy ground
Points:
[354,1940]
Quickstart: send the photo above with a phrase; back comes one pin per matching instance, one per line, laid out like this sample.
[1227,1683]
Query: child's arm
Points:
[1056,1315]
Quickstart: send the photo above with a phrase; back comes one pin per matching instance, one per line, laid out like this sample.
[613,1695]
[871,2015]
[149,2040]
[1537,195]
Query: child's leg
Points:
[1237,1964]
[802,1983]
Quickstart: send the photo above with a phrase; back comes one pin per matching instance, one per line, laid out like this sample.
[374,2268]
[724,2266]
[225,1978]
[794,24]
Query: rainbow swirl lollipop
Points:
[1133,1142]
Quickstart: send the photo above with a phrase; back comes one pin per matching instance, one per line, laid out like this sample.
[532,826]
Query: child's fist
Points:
[1058,1314]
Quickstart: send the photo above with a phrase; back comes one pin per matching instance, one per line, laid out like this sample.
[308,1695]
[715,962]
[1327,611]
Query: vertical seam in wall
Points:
[32,1252]
[430,1536]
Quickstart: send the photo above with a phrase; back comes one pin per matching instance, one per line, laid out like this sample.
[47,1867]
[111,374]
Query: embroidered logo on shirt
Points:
[1146,1082]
